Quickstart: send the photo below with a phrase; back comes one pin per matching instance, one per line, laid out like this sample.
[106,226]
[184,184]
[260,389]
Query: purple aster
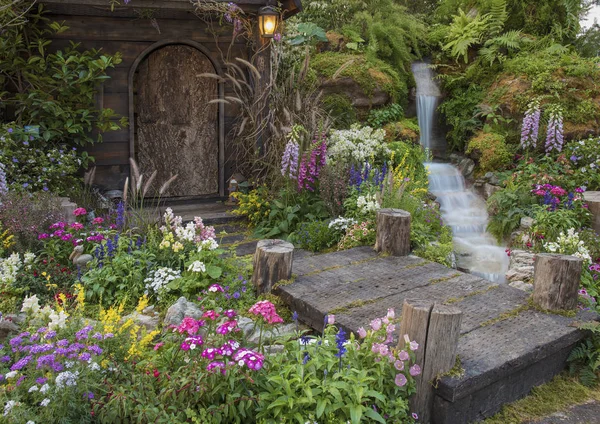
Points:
[21,363]
[97,350]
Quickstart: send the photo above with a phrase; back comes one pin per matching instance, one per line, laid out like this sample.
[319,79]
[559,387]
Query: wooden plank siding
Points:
[131,37]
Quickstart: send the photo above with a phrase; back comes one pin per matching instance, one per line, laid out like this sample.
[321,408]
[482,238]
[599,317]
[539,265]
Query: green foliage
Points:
[314,382]
[552,223]
[340,109]
[490,150]
[53,92]
[459,111]
[588,43]
[585,358]
[309,33]
[316,236]
[507,207]
[378,118]
[439,251]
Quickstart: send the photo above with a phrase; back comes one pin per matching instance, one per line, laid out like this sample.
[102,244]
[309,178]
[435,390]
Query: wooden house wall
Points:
[132,36]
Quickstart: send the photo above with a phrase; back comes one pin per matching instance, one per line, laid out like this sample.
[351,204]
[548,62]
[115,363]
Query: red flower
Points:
[156,373]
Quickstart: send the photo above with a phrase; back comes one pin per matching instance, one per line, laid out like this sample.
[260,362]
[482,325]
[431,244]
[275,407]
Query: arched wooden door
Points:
[177,129]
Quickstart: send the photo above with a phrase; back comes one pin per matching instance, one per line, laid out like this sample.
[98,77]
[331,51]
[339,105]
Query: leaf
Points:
[374,415]
[356,413]
[321,404]
[214,272]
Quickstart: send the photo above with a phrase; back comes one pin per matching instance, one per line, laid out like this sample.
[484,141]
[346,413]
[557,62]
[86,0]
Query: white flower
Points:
[30,422]
[44,388]
[66,378]
[358,144]
[94,366]
[197,266]
[9,268]
[69,364]
[9,406]
[342,224]
[57,320]
[367,204]
[33,389]
[209,244]
[158,279]
[45,402]
[31,304]
[11,374]
[28,259]
[569,244]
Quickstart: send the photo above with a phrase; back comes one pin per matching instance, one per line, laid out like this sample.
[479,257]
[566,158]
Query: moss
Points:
[353,305]
[562,312]
[417,265]
[368,73]
[490,151]
[405,130]
[442,279]
[453,300]
[506,315]
[557,395]
[284,282]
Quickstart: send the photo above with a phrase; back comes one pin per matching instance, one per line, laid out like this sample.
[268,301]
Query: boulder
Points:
[521,258]
[181,309]
[7,327]
[466,167]
[148,321]
[489,190]
[282,331]
[527,222]
[524,273]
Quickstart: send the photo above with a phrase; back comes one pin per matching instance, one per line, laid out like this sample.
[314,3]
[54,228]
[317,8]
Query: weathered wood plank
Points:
[110,153]
[393,232]
[272,263]
[556,281]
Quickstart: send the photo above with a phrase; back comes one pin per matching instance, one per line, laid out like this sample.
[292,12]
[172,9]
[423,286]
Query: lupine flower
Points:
[306,358]
[340,339]
[531,125]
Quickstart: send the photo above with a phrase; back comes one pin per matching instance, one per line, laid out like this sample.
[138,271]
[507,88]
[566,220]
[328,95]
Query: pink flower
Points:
[267,310]
[362,333]
[383,350]
[227,327]
[399,365]
[400,380]
[79,212]
[188,325]
[210,314]
[218,365]
[77,226]
[414,345]
[390,328]
[215,288]
[376,324]
[98,221]
[330,319]
[415,370]
[158,345]
[415,416]
[391,314]
[403,355]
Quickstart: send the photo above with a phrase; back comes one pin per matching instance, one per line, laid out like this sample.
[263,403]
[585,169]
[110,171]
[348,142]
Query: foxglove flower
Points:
[554,135]
[289,161]
[531,125]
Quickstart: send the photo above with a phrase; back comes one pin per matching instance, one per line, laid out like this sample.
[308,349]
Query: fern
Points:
[585,358]
[497,17]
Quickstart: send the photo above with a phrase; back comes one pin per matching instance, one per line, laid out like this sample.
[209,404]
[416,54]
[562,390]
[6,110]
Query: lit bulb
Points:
[269,26]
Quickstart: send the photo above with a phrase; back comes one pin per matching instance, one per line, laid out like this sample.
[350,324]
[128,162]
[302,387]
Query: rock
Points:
[150,322]
[280,332]
[360,99]
[181,309]
[527,222]
[488,176]
[454,158]
[524,273]
[7,327]
[274,349]
[466,167]
[521,258]
[521,285]
[16,318]
[489,190]
[67,208]
[494,180]
[246,324]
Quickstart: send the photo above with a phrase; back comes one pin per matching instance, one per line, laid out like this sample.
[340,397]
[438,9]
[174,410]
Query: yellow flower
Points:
[80,292]
[142,303]
[177,247]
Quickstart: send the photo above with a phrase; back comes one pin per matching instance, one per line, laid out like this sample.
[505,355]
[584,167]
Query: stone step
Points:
[506,346]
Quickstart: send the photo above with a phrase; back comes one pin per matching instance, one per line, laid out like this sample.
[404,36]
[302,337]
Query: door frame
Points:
[221,95]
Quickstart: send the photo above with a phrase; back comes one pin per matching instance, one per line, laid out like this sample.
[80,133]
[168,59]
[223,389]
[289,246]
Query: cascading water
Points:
[462,210]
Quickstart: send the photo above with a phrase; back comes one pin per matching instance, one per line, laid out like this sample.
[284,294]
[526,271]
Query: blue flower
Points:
[236,295]
[306,358]
[340,339]
[295,316]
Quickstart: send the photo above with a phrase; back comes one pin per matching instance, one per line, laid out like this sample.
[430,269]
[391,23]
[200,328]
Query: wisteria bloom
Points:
[531,125]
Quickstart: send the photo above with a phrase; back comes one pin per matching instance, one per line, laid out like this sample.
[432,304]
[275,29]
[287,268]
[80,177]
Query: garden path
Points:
[506,345]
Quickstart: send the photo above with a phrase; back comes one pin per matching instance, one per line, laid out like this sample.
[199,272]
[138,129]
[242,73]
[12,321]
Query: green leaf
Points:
[321,404]
[374,416]
[214,271]
[356,413]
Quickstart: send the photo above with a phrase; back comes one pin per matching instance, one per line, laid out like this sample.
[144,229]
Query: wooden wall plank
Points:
[110,153]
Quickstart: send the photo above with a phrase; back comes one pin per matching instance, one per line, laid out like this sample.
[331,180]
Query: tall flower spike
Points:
[554,136]
[531,125]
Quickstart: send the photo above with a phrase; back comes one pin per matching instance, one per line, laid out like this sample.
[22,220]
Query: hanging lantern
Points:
[267,21]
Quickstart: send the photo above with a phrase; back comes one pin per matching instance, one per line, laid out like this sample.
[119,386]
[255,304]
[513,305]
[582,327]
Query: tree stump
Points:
[393,232]
[556,281]
[436,328]
[272,263]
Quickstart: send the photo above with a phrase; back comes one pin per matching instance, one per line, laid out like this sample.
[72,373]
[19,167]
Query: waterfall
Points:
[462,210]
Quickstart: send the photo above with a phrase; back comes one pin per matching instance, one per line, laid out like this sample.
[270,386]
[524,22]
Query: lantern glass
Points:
[267,21]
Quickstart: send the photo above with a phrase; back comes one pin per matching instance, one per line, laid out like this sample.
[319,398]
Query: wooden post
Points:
[393,232]
[436,328]
[556,281]
[272,263]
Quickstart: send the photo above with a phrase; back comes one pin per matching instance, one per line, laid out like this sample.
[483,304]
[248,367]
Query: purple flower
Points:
[21,363]
[41,380]
[88,395]
[289,160]
[531,125]
[236,295]
[415,370]
[5,358]
[554,135]
[97,350]
[85,357]
[62,343]
[400,380]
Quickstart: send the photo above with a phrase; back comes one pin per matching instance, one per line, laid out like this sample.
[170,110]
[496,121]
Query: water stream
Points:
[463,210]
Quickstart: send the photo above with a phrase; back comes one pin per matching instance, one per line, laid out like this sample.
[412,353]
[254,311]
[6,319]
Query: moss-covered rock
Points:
[405,130]
[368,82]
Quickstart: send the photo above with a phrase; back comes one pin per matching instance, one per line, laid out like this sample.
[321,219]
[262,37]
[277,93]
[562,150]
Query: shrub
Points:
[490,150]
[25,215]
[378,118]
[362,234]
[407,130]
[340,109]
[333,187]
[316,236]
